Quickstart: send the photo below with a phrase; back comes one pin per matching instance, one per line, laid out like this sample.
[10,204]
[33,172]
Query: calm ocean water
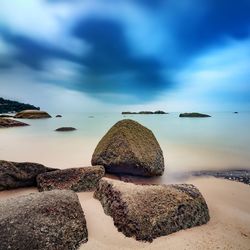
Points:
[222,141]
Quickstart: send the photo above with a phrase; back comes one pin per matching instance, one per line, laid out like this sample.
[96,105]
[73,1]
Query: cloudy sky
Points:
[89,55]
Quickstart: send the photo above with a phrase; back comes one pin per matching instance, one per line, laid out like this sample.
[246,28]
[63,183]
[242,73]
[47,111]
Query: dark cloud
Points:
[112,67]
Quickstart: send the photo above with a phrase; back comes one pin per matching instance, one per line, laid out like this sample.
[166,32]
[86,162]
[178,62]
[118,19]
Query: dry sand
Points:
[229,227]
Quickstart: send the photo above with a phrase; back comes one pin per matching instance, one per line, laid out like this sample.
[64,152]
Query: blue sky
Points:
[134,54]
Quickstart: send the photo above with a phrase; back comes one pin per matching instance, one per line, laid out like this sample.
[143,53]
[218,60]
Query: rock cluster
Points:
[129,148]
[32,114]
[8,123]
[20,174]
[76,179]
[158,112]
[42,221]
[146,212]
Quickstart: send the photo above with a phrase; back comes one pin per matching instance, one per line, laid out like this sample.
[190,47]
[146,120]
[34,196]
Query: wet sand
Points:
[229,227]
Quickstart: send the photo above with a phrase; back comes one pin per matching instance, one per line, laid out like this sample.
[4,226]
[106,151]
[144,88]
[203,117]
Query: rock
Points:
[65,129]
[7,123]
[42,221]
[58,116]
[129,148]
[146,212]
[20,174]
[76,179]
[145,112]
[32,114]
[160,112]
[193,115]
[236,112]
[128,113]
[6,116]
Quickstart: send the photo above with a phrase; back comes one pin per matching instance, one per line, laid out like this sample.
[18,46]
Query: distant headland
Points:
[7,106]
[158,112]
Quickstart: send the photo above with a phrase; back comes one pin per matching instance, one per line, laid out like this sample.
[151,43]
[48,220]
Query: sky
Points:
[116,55]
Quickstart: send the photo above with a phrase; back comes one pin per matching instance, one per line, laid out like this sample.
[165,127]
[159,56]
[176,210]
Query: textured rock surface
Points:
[129,148]
[65,129]
[32,114]
[146,212]
[193,115]
[76,179]
[20,174]
[42,221]
[8,123]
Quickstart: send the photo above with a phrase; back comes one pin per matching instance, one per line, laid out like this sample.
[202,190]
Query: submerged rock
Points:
[65,129]
[32,114]
[42,221]
[146,212]
[8,123]
[58,116]
[76,179]
[193,115]
[20,174]
[129,148]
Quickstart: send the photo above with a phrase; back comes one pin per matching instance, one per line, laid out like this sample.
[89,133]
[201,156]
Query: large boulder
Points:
[129,148]
[42,221]
[8,123]
[20,174]
[32,114]
[146,212]
[194,115]
[76,179]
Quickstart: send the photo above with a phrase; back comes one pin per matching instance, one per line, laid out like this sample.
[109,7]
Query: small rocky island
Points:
[193,115]
[65,129]
[7,106]
[158,112]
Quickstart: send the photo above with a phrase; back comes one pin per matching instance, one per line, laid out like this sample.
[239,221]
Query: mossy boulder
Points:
[76,179]
[20,174]
[32,114]
[193,115]
[42,221]
[146,212]
[8,123]
[129,148]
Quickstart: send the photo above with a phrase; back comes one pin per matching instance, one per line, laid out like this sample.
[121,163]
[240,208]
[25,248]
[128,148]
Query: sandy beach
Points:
[229,227]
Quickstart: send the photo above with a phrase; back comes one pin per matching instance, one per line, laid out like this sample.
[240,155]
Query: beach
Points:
[228,228]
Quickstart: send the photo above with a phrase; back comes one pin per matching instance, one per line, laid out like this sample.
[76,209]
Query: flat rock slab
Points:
[65,129]
[129,148]
[32,114]
[76,179]
[42,221]
[8,123]
[194,115]
[146,212]
[20,174]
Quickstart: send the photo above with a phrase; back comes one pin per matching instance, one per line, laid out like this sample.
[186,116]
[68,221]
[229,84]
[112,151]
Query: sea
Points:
[189,144]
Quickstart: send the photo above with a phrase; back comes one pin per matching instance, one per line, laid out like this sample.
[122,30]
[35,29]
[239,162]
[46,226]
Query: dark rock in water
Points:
[76,179]
[6,116]
[129,148]
[58,116]
[65,129]
[146,212]
[160,112]
[20,174]
[13,106]
[143,112]
[42,221]
[236,112]
[193,115]
[7,123]
[32,114]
